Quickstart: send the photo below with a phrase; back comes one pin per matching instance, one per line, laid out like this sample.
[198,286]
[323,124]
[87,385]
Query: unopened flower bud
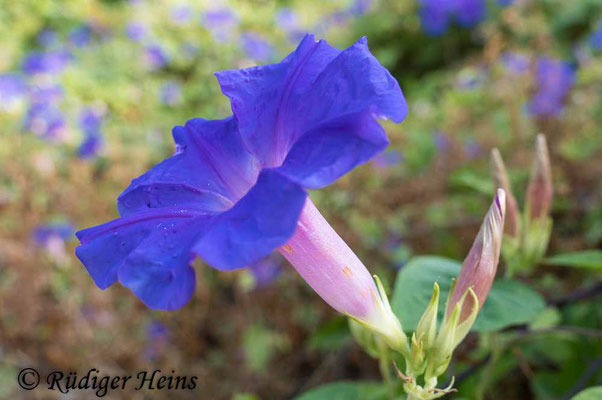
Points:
[480,266]
[427,326]
[500,180]
[540,190]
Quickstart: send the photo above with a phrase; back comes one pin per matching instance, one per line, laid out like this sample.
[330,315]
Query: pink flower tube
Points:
[331,268]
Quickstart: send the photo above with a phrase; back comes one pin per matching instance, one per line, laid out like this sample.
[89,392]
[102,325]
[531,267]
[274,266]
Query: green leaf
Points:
[347,391]
[414,287]
[593,393]
[509,302]
[468,178]
[591,259]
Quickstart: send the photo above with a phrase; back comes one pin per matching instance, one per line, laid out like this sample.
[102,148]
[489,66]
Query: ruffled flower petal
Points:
[278,104]
[153,240]
[158,271]
[263,220]
[210,169]
[322,156]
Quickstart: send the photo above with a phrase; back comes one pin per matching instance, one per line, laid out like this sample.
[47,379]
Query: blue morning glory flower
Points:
[554,79]
[46,62]
[235,189]
[256,47]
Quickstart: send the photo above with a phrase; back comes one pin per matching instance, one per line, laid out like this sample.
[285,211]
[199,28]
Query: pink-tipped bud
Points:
[500,180]
[480,266]
[540,190]
[331,268]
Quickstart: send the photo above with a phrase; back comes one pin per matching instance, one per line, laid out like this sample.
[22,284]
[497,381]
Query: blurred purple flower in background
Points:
[266,271]
[554,79]
[505,3]
[46,62]
[90,146]
[471,78]
[90,122]
[155,56]
[45,120]
[469,13]
[595,40]
[387,159]
[80,36]
[44,233]
[12,90]
[157,333]
[441,141]
[288,20]
[170,93]
[47,37]
[360,7]
[137,31]
[221,22]
[472,148]
[235,189]
[516,63]
[257,47]
[436,15]
[52,93]
[180,14]
[52,238]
